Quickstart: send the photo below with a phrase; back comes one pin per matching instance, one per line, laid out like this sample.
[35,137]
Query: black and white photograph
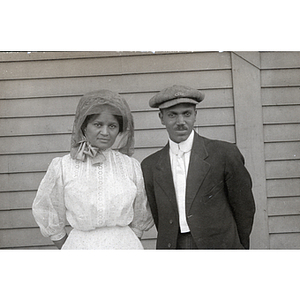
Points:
[250,99]
[190,154]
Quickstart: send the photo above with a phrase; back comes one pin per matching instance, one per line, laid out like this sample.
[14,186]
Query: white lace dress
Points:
[104,203]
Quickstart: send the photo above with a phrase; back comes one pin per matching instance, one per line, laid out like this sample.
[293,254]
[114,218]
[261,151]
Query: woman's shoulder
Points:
[60,160]
[64,158]
[128,159]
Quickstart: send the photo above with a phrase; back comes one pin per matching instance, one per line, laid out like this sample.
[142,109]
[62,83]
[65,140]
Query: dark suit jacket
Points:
[219,201]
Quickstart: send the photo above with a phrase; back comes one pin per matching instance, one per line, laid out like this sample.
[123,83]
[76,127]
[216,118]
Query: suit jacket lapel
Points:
[164,176]
[198,169]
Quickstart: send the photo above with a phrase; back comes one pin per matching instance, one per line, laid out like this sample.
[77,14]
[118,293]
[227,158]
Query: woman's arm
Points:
[48,207]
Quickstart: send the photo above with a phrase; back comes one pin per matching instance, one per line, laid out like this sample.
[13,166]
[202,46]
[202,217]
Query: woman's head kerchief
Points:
[92,103]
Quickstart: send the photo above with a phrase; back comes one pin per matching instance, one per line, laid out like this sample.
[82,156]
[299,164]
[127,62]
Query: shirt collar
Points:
[184,146]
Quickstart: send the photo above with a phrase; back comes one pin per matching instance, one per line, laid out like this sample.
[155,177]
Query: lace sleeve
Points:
[142,219]
[48,206]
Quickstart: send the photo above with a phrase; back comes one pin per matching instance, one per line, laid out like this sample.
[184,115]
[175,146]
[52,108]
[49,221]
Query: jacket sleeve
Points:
[148,178]
[48,206]
[142,219]
[239,188]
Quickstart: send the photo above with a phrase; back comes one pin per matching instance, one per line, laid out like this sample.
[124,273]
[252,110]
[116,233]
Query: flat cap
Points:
[174,95]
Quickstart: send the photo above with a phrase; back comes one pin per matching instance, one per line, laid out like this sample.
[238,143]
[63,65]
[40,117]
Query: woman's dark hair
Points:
[92,117]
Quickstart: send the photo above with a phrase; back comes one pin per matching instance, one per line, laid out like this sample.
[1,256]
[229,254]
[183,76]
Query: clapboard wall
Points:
[39,93]
[38,97]
[280,88]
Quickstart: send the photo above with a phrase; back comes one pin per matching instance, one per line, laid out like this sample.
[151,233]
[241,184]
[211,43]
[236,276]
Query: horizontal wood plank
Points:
[41,125]
[27,162]
[281,114]
[283,187]
[286,77]
[150,138]
[283,169]
[285,241]
[35,144]
[24,237]
[20,181]
[280,59]
[289,150]
[280,95]
[284,224]
[115,65]
[224,133]
[120,83]
[19,218]
[16,200]
[39,106]
[282,132]
[284,206]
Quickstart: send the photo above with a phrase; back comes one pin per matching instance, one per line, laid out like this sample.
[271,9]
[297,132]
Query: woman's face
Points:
[102,130]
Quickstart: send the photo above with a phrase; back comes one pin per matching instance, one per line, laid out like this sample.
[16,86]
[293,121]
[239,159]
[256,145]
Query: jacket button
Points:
[171,221]
[169,245]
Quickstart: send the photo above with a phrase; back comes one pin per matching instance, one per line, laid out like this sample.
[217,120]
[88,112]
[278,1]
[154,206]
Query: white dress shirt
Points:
[179,178]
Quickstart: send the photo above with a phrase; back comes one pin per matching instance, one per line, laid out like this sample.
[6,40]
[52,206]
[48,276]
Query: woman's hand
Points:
[60,242]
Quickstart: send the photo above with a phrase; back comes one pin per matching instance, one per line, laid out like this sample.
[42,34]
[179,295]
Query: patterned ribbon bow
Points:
[85,148]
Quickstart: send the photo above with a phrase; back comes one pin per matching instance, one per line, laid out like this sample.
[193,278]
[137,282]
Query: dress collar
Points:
[185,146]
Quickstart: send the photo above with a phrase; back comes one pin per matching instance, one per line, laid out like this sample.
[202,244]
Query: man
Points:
[198,189]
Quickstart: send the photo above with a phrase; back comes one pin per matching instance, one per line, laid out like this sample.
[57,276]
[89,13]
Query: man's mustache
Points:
[181,127]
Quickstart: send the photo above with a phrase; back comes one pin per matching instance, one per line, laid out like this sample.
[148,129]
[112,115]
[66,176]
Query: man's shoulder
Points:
[213,142]
[219,146]
[152,158]
[222,148]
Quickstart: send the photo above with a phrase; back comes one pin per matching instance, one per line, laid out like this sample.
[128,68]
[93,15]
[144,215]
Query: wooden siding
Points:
[280,83]
[249,135]
[39,93]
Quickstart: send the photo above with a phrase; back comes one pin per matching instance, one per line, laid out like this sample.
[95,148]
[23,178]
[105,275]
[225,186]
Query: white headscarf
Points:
[92,103]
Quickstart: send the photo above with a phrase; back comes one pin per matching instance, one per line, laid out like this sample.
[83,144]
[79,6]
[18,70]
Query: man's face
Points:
[179,121]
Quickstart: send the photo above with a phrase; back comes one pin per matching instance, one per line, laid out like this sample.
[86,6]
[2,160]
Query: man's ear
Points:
[160,114]
[195,116]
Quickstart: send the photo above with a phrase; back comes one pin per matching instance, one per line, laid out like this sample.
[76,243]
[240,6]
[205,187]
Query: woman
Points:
[98,190]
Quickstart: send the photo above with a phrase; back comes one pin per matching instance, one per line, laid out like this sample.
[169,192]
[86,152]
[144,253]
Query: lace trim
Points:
[100,200]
